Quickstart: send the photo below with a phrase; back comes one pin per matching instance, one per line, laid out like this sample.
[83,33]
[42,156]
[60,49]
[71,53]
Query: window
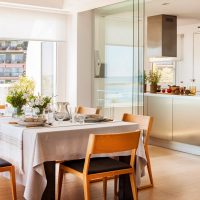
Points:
[167,70]
[35,59]
[118,73]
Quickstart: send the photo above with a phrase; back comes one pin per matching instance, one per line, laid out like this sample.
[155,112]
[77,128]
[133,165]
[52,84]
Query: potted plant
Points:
[154,78]
[19,93]
[145,78]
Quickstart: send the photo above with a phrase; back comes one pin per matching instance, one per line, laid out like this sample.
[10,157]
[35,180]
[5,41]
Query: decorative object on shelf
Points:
[99,66]
[19,93]
[39,104]
[154,78]
[145,81]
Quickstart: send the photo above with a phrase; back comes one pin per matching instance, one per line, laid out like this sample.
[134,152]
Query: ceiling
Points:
[188,11]
[63,5]
[126,7]
[81,5]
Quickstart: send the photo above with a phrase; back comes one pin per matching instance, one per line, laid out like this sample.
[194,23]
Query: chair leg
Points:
[149,166]
[13,182]
[104,188]
[86,187]
[116,186]
[149,171]
[60,180]
[133,186]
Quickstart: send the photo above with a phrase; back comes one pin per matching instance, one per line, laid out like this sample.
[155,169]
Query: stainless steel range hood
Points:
[162,36]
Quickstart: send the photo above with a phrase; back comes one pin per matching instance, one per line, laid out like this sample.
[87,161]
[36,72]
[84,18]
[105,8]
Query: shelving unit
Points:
[12,60]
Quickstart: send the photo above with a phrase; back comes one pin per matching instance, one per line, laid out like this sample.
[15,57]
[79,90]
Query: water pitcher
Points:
[62,108]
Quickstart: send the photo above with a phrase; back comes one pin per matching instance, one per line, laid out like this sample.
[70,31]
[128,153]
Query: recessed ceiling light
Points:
[165,4]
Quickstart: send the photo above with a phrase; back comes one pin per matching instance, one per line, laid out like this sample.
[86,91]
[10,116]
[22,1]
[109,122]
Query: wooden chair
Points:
[8,167]
[2,106]
[87,110]
[145,123]
[101,168]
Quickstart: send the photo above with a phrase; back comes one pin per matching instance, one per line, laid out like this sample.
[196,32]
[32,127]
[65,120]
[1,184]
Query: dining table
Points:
[35,150]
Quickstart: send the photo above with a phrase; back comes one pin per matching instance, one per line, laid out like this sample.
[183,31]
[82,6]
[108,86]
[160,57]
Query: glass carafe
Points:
[62,107]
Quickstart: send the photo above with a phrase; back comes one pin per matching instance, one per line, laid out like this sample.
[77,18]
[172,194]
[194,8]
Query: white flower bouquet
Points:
[19,93]
[39,103]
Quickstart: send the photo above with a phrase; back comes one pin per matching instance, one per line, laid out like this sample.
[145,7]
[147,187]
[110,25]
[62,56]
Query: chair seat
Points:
[4,163]
[97,165]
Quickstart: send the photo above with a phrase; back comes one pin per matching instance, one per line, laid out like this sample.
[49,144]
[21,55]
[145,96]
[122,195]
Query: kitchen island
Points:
[176,121]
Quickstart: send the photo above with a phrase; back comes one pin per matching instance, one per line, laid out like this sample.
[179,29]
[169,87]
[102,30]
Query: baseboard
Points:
[186,148]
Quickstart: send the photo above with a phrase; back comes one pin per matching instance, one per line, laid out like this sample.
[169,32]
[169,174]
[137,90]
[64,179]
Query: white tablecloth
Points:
[58,143]
[11,146]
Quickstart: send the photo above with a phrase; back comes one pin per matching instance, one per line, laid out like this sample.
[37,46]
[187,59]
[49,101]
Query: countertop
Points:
[197,96]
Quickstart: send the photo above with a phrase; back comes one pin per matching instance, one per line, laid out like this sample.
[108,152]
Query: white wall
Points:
[79,58]
[185,71]
[62,85]
[71,52]
[85,55]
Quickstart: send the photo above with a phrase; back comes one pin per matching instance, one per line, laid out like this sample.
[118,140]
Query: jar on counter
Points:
[192,87]
[182,88]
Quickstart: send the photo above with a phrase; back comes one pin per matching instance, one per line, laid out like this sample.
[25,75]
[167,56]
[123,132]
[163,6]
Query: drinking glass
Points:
[50,115]
[79,118]
[72,113]
[60,116]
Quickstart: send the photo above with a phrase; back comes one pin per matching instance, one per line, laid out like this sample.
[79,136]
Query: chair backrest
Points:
[112,143]
[2,106]
[87,110]
[145,123]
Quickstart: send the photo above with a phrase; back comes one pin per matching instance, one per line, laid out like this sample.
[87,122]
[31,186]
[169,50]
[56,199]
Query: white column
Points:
[85,55]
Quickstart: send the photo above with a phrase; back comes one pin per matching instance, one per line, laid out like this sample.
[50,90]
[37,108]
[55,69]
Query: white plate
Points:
[22,123]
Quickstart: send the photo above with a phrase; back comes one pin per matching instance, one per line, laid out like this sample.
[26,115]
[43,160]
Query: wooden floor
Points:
[176,176]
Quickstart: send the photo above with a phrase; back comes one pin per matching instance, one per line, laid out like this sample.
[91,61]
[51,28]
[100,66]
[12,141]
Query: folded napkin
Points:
[96,118]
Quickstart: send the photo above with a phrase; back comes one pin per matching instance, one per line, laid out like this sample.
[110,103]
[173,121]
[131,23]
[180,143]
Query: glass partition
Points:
[118,68]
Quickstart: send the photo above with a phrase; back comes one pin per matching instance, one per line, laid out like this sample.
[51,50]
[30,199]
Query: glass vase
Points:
[17,112]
